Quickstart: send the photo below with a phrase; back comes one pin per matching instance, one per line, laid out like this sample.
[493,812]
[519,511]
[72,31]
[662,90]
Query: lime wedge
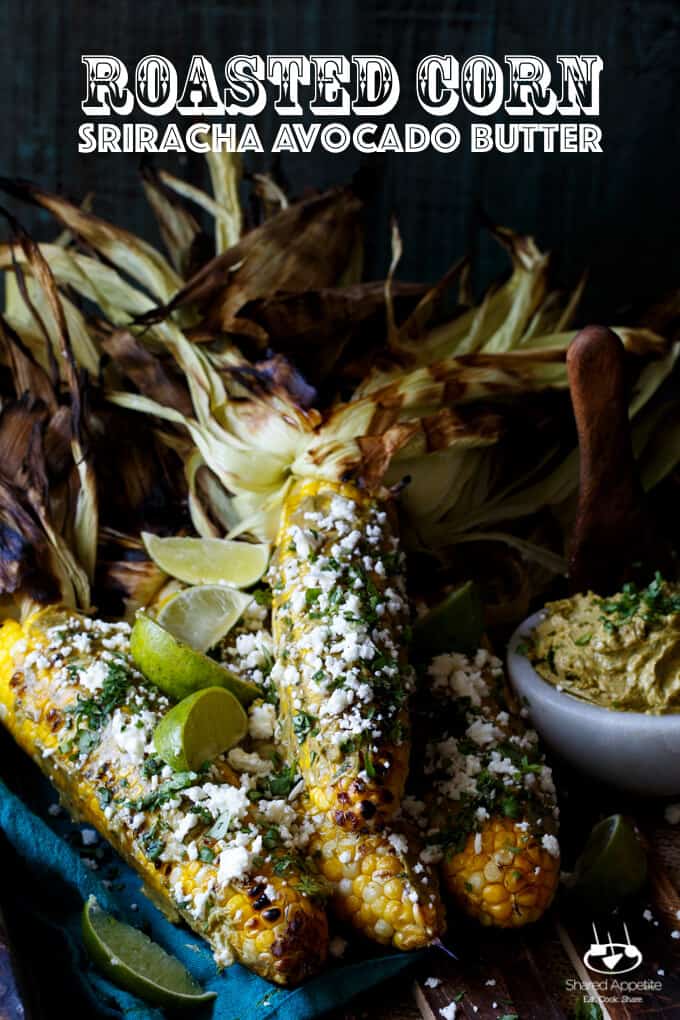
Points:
[178,669]
[456,624]
[133,962]
[201,616]
[199,728]
[208,560]
[613,865]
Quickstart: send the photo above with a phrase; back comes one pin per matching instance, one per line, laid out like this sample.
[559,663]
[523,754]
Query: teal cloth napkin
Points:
[63,872]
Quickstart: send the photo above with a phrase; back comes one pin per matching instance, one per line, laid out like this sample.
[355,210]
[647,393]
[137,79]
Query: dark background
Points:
[616,213]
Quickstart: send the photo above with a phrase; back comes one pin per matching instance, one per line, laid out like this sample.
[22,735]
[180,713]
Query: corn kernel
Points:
[501,911]
[368,865]
[492,873]
[392,912]
[494,894]
[264,941]
[370,892]
[352,904]
[393,889]
[333,870]
[383,931]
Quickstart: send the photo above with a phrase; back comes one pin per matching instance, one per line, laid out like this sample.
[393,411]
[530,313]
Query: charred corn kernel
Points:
[384,890]
[70,696]
[339,609]
[489,801]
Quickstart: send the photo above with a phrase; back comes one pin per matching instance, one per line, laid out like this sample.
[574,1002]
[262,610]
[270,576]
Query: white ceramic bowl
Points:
[632,751]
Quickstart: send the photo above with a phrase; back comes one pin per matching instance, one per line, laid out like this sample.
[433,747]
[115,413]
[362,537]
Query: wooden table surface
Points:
[538,973]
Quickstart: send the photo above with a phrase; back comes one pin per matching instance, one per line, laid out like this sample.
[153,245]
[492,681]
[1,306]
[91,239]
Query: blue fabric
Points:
[62,876]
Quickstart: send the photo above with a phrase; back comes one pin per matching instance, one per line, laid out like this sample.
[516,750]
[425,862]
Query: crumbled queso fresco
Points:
[341,614]
[101,715]
[481,761]
[249,647]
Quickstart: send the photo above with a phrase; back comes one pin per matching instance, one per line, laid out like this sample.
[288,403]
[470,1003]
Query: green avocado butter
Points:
[621,652]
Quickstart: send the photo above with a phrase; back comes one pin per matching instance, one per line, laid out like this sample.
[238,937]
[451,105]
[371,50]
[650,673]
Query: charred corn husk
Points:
[379,885]
[339,611]
[71,698]
[488,809]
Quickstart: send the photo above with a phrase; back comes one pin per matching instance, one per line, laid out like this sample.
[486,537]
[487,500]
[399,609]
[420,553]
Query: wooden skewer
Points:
[614,537]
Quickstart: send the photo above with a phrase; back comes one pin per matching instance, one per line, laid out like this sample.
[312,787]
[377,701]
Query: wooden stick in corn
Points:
[339,611]
[72,699]
[488,809]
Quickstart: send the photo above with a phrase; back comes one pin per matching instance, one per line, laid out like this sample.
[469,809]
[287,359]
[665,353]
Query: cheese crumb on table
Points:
[672,814]
[337,947]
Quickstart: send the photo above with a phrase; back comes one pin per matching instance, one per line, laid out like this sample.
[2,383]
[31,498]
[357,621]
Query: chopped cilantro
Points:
[304,725]
[308,881]
[93,713]
[87,740]
[510,807]
[271,838]
[652,603]
[263,597]
[584,1010]
[165,792]
[152,766]
[276,784]
[152,844]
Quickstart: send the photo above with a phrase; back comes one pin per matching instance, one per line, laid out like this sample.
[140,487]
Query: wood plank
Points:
[499,972]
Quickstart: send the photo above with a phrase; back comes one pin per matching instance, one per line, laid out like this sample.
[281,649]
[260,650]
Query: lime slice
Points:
[613,864]
[456,624]
[178,669]
[202,615]
[199,728]
[133,962]
[208,560]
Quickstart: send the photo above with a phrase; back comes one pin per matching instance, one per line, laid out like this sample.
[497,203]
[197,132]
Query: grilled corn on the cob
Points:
[376,881]
[72,699]
[379,885]
[339,610]
[489,809]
